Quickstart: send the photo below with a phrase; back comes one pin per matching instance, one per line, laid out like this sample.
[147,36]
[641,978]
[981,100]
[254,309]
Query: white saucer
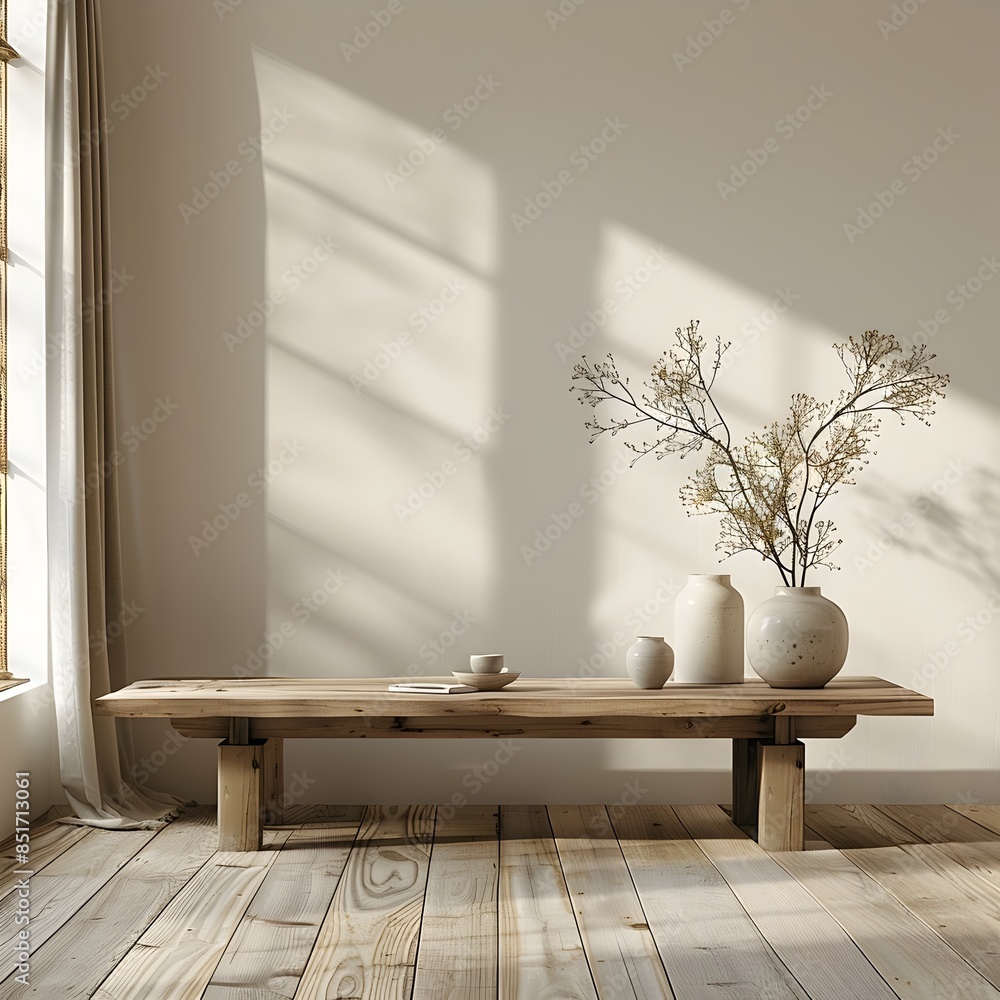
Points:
[487,682]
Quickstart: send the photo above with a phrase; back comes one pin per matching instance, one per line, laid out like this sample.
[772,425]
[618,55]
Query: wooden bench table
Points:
[252,718]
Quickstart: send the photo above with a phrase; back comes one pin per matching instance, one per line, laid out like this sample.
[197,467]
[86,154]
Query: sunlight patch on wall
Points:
[380,369]
[345,145]
[644,290]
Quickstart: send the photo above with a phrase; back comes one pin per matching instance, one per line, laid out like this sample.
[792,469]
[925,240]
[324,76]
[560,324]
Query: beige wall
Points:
[27,746]
[215,229]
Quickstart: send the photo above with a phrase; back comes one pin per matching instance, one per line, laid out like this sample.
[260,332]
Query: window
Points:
[25,350]
[7,53]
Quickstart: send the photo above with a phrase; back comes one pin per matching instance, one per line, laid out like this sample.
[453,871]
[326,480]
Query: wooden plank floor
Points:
[515,903]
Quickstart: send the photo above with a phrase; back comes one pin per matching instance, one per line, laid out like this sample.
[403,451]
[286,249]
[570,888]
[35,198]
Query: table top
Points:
[536,697]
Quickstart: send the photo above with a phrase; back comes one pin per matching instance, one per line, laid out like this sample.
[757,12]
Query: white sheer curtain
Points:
[85,586]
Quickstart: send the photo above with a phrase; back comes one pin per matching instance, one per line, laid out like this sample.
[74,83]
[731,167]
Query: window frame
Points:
[7,53]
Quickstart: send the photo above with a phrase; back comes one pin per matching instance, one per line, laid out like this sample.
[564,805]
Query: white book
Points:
[429,687]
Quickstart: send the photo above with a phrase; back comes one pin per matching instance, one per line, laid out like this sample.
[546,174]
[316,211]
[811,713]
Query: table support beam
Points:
[239,731]
[781,809]
[274,782]
[240,789]
[746,783]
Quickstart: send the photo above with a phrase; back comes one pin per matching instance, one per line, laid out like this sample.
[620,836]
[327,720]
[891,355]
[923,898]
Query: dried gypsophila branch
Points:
[770,489]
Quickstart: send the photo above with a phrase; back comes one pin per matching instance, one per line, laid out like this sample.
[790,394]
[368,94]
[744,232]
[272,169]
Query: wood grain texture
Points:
[621,951]
[812,945]
[541,953]
[193,931]
[457,959]
[65,884]
[46,843]
[268,953]
[935,834]
[780,814]
[89,945]
[915,961]
[240,795]
[273,781]
[746,783]
[940,825]
[986,816]
[951,900]
[726,920]
[539,698]
[367,944]
[842,829]
[305,813]
[709,946]
[450,727]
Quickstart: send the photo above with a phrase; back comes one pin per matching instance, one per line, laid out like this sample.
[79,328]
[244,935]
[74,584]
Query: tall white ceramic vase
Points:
[708,632]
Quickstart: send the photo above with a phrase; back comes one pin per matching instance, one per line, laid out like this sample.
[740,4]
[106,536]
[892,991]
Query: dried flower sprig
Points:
[770,489]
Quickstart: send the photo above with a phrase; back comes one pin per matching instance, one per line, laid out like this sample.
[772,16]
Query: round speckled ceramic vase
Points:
[797,639]
[708,631]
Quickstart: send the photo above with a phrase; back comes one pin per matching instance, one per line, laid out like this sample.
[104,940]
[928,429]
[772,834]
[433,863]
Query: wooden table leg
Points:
[746,782]
[781,815]
[240,771]
[274,781]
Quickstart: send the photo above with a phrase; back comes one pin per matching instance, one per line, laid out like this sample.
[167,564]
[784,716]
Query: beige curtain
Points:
[86,603]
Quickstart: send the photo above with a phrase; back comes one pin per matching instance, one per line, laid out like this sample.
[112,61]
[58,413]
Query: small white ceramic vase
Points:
[797,639]
[649,661]
[708,631]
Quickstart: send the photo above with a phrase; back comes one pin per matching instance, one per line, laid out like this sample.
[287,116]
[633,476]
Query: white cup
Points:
[486,663]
